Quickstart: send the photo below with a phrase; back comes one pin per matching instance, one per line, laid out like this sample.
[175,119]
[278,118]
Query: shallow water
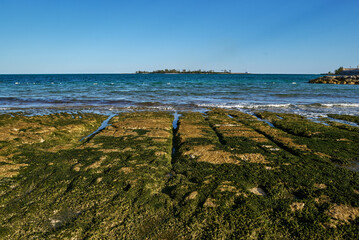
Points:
[343,122]
[103,125]
[354,166]
[176,116]
[113,92]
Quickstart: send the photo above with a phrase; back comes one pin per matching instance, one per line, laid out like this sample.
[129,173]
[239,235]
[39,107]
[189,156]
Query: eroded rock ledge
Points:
[232,176]
[345,79]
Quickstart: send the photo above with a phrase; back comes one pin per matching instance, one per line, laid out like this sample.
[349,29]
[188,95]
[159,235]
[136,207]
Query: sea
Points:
[113,93]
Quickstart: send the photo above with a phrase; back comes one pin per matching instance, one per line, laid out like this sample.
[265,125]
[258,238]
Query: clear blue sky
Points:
[108,36]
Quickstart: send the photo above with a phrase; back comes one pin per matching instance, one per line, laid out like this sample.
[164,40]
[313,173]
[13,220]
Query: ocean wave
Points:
[281,105]
[287,95]
[54,101]
[185,92]
[330,105]
[250,106]
[8,98]
[341,104]
[162,108]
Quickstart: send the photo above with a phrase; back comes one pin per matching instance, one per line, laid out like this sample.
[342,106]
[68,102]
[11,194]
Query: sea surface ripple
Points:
[116,92]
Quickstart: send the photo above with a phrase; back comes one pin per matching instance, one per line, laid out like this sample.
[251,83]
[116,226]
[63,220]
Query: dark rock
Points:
[344,79]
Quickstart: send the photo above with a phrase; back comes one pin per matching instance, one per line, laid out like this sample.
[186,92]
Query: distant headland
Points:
[185,71]
[344,71]
[340,76]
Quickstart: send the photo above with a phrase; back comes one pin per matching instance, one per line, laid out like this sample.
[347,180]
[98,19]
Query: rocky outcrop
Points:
[346,79]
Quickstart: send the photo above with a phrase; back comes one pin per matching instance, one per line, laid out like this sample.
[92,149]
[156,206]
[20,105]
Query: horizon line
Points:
[114,73]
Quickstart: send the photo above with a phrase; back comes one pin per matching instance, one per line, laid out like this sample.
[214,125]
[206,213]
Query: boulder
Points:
[343,79]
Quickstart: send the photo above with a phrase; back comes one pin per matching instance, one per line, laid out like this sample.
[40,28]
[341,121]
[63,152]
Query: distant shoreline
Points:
[192,73]
[184,71]
[130,73]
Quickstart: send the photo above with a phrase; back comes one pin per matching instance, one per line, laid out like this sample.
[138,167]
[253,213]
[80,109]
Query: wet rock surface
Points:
[232,176]
[346,79]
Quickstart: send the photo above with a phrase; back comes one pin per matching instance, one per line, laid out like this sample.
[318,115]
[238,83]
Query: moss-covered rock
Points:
[220,175]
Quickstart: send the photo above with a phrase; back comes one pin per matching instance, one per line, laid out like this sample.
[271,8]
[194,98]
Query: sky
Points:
[122,36]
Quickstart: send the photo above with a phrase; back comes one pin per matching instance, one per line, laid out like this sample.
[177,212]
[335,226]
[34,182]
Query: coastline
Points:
[214,73]
[146,175]
[315,111]
[337,79]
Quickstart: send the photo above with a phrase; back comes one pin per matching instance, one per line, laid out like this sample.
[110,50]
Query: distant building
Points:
[350,71]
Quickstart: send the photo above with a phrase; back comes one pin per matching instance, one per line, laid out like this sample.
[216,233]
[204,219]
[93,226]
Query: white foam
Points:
[246,105]
[164,108]
[340,104]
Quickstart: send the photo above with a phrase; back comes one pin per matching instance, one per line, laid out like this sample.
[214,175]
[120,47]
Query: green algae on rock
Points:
[231,176]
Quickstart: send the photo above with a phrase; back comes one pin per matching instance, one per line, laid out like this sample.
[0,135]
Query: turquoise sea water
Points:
[114,92]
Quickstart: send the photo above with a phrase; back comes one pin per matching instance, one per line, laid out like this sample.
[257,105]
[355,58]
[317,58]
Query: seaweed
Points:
[231,176]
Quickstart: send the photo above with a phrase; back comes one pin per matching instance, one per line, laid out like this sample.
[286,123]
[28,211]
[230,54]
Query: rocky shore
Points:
[222,174]
[345,79]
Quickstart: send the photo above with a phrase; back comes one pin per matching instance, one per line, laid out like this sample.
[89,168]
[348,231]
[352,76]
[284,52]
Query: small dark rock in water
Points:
[346,79]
